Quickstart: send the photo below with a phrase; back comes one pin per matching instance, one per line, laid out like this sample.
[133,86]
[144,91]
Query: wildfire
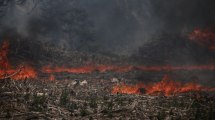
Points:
[23,72]
[51,77]
[176,68]
[122,69]
[87,69]
[166,86]
[204,38]
[6,70]
[3,55]
[127,89]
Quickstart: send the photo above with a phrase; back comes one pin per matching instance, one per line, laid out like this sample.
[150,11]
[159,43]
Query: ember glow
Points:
[176,68]
[21,72]
[122,69]
[51,77]
[166,86]
[204,38]
[4,63]
[87,69]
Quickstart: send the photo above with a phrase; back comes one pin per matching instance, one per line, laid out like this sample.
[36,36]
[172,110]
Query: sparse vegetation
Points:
[64,98]
[93,103]
[59,103]
[39,103]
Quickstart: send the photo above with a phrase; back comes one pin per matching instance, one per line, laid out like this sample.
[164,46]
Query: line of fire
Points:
[100,59]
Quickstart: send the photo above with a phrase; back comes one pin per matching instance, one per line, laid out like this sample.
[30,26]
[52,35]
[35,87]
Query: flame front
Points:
[122,69]
[4,63]
[166,86]
[19,73]
[51,77]
[204,38]
[87,69]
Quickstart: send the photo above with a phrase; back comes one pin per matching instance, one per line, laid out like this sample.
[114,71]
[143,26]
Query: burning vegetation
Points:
[204,37]
[7,71]
[166,87]
[113,59]
[93,91]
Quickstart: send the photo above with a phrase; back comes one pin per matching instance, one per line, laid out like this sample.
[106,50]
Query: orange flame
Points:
[87,69]
[204,37]
[51,77]
[26,72]
[122,69]
[127,89]
[176,68]
[29,72]
[166,86]
[4,64]
[5,67]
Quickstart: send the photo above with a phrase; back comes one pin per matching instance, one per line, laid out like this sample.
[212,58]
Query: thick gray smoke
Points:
[116,26]
[57,22]
[152,32]
[16,15]
[124,25]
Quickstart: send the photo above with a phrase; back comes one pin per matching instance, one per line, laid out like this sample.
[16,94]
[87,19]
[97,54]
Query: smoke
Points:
[124,25]
[115,26]
[152,32]
[16,16]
